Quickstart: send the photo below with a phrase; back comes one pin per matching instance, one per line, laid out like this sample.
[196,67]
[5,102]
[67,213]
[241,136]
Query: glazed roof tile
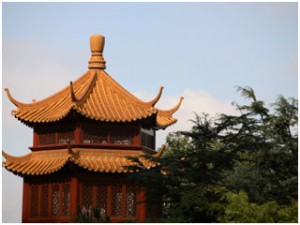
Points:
[95,95]
[47,162]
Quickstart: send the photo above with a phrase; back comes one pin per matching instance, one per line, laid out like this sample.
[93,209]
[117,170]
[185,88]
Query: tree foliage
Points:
[232,168]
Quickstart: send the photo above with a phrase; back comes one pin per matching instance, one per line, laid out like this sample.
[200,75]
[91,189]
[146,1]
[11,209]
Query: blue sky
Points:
[197,50]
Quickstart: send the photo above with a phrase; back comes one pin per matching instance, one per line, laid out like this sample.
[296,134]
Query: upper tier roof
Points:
[95,95]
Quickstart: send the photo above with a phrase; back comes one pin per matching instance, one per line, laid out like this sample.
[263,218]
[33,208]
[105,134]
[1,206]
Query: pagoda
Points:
[82,138]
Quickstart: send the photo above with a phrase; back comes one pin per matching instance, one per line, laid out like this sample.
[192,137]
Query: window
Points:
[65,136]
[45,194]
[57,138]
[47,139]
[56,134]
[116,200]
[107,134]
[87,196]
[34,200]
[131,200]
[148,138]
[122,198]
[92,136]
[121,138]
[102,196]
[55,200]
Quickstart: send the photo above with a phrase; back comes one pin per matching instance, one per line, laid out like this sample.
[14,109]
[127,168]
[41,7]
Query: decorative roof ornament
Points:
[97,45]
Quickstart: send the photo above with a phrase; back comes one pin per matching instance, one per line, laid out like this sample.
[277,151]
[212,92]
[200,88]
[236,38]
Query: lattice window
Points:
[34,200]
[47,139]
[94,137]
[66,199]
[55,200]
[50,200]
[45,196]
[63,137]
[121,138]
[148,138]
[102,196]
[131,200]
[87,200]
[116,200]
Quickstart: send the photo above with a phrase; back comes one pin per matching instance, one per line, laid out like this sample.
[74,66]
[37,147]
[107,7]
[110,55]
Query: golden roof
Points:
[95,95]
[103,161]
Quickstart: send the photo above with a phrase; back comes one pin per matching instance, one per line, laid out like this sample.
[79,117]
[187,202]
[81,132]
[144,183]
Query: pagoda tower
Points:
[82,137]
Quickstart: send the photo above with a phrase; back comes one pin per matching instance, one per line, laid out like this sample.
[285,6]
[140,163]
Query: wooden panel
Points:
[34,201]
[66,199]
[109,200]
[117,195]
[131,200]
[123,201]
[94,196]
[44,206]
[102,196]
[50,200]
[55,196]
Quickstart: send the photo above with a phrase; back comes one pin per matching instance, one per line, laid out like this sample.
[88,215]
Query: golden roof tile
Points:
[97,160]
[95,95]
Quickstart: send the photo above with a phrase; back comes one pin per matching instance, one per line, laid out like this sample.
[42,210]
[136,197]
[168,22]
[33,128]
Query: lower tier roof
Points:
[97,160]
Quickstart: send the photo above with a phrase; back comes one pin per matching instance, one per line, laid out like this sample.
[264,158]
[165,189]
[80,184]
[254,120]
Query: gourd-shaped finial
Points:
[97,45]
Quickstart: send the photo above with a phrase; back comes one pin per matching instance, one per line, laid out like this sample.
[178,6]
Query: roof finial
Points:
[97,44]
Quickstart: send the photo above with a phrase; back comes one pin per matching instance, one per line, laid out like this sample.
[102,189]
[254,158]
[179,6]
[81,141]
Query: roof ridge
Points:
[137,100]
[86,92]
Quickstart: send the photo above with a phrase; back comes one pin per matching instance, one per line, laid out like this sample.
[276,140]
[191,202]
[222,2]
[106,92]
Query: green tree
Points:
[239,210]
[266,163]
[203,170]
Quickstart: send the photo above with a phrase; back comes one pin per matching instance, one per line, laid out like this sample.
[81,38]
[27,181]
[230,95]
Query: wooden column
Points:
[78,134]
[154,139]
[137,135]
[36,140]
[26,202]
[141,206]
[74,196]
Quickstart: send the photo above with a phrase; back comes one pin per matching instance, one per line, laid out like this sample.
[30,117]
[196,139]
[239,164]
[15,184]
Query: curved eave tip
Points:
[178,105]
[161,151]
[5,155]
[170,112]
[156,99]
[13,100]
